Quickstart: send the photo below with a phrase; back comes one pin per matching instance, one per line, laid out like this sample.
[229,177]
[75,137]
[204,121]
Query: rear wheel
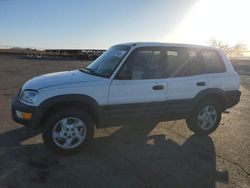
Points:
[67,131]
[205,118]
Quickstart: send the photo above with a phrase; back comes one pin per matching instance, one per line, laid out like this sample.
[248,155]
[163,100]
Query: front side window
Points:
[183,62]
[106,64]
[143,64]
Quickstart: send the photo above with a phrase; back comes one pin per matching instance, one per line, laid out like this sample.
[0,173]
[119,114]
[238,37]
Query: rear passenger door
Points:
[185,72]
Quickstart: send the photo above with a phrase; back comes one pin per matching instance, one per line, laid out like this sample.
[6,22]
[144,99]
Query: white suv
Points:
[129,82]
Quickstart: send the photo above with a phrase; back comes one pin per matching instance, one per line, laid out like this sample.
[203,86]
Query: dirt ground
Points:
[138,155]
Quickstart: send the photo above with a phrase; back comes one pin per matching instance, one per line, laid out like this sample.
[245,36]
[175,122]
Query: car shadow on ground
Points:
[129,157]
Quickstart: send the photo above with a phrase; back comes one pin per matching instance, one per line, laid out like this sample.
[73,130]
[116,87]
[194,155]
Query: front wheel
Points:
[205,118]
[67,131]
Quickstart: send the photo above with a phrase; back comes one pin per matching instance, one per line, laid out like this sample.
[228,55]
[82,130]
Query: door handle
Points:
[158,87]
[201,83]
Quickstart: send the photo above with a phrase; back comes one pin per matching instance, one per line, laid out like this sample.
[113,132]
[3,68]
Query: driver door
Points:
[139,88]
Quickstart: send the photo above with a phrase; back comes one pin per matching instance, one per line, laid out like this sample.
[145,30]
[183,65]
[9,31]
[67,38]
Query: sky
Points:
[100,24]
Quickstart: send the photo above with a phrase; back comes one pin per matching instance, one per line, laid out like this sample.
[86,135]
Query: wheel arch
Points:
[213,94]
[78,101]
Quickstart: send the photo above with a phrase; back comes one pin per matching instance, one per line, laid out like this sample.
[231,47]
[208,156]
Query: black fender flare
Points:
[74,98]
[210,92]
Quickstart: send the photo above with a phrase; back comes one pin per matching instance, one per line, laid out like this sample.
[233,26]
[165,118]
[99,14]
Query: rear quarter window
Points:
[213,62]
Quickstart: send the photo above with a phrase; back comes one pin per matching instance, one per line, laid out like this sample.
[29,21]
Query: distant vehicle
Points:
[91,54]
[39,56]
[29,55]
[129,82]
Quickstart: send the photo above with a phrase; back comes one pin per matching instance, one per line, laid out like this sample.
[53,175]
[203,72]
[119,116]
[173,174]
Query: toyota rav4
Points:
[129,82]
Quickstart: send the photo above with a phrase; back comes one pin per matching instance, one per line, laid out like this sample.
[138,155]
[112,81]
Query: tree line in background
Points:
[236,50]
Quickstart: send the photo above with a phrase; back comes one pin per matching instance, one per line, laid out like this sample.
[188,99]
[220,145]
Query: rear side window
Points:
[183,62]
[213,62]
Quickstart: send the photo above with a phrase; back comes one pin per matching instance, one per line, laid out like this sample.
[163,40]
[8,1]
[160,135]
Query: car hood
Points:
[59,78]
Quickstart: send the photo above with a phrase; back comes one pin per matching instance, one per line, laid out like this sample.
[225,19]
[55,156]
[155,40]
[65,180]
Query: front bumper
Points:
[37,114]
[232,98]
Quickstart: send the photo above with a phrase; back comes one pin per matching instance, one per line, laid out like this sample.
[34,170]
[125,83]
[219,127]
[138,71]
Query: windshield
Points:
[106,64]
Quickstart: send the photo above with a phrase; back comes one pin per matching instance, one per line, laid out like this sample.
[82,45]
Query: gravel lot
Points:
[138,155]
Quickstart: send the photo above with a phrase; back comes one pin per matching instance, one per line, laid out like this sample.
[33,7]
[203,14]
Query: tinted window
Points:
[213,62]
[142,64]
[183,62]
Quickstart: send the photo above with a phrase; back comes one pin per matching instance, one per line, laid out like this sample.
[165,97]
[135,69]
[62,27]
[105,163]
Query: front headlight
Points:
[29,96]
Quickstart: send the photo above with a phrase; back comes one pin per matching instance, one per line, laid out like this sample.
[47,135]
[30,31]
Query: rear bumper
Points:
[37,113]
[232,98]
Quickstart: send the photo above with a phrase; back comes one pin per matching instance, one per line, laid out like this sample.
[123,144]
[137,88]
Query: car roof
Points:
[160,44]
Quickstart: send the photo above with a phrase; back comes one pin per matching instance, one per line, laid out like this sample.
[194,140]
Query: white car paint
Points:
[136,91]
[59,78]
[110,91]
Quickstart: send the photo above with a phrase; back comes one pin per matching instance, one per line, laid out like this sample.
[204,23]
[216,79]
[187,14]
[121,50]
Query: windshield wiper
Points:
[91,71]
[88,70]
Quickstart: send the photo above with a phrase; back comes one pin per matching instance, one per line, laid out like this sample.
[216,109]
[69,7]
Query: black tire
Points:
[193,122]
[56,117]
